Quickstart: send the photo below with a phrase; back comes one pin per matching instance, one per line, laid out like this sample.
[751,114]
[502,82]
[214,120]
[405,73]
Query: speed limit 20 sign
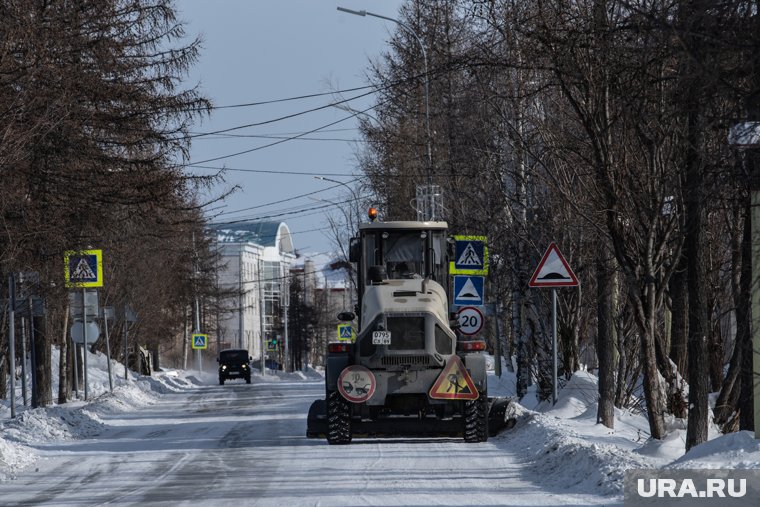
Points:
[470,320]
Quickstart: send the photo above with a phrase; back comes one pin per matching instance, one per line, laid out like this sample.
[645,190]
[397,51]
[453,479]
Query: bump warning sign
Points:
[454,383]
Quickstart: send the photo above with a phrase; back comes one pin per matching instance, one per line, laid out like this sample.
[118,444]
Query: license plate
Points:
[233,372]
[381,338]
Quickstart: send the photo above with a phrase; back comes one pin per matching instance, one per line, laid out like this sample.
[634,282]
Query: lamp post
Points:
[364,13]
[353,194]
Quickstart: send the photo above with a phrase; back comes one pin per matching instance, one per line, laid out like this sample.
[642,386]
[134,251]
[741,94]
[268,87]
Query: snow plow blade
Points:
[499,418]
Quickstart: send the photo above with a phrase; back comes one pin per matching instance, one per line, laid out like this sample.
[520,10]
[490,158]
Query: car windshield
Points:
[237,356]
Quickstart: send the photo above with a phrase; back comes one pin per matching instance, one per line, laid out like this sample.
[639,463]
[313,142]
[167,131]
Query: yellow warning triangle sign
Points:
[454,383]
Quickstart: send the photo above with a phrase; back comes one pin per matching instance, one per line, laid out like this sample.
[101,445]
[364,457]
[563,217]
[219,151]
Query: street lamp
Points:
[364,13]
[353,193]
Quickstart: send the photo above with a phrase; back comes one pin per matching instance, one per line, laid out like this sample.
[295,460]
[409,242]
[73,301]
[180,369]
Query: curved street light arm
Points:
[364,13]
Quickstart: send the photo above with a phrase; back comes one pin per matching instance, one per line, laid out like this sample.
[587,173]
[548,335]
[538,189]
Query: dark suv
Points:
[234,363]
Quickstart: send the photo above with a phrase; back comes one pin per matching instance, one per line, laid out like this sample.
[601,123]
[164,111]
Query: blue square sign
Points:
[83,268]
[470,256]
[469,290]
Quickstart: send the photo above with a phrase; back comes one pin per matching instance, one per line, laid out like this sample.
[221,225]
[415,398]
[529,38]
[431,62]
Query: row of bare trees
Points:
[93,133]
[601,125]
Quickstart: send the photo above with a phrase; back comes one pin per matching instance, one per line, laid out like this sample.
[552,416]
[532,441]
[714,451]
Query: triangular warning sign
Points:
[454,383]
[469,257]
[469,292]
[83,270]
[553,271]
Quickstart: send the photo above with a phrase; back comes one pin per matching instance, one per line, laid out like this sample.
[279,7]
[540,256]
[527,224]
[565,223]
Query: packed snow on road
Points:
[179,438]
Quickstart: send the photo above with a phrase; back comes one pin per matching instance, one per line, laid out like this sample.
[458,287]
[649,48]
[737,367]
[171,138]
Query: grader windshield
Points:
[404,250]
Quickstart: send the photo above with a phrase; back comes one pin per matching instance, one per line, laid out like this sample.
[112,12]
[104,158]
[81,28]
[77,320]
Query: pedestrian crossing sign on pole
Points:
[345,333]
[470,256]
[200,341]
[83,268]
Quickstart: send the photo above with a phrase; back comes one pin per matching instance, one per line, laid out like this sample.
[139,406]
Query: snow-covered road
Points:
[245,444]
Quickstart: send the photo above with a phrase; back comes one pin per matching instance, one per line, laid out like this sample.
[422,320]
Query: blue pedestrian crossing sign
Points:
[469,290]
[83,268]
[200,341]
[345,333]
[470,256]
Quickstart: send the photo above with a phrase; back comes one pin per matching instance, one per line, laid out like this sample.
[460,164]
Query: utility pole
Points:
[285,303]
[262,307]
[241,299]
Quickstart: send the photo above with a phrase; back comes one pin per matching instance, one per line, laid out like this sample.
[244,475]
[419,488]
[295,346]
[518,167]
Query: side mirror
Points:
[454,324]
[217,359]
[250,358]
[354,250]
[346,316]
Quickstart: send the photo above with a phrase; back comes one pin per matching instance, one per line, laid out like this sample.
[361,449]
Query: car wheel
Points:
[221,381]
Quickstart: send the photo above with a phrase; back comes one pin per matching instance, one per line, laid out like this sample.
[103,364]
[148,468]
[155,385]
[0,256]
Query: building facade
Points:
[255,261]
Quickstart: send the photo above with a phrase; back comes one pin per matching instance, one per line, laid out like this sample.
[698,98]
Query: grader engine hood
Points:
[414,295]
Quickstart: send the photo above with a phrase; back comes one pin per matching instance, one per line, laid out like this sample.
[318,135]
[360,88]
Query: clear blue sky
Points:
[263,50]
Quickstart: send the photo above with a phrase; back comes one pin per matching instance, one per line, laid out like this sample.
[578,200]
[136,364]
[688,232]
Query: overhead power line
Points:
[281,118]
[257,148]
[290,198]
[289,99]
[265,171]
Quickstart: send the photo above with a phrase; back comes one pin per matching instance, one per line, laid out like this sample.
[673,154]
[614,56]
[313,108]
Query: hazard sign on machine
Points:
[470,256]
[470,320]
[454,383]
[553,271]
[200,341]
[83,268]
[468,290]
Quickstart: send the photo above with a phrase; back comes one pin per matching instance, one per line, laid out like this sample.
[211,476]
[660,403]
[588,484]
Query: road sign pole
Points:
[108,351]
[12,340]
[554,346]
[84,336]
[33,352]
[126,343]
[75,377]
[23,362]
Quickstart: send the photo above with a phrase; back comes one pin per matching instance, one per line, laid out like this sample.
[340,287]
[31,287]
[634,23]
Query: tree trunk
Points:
[605,342]
[696,223]
[622,368]
[43,352]
[743,311]
[523,359]
[64,386]
[679,324]
[155,351]
[652,388]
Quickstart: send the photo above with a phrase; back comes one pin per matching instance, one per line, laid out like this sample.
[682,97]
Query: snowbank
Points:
[79,419]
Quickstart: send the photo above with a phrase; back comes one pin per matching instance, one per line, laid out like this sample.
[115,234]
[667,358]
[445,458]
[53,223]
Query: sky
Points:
[266,50]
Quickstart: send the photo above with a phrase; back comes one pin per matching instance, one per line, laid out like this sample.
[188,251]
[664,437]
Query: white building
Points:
[255,265]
